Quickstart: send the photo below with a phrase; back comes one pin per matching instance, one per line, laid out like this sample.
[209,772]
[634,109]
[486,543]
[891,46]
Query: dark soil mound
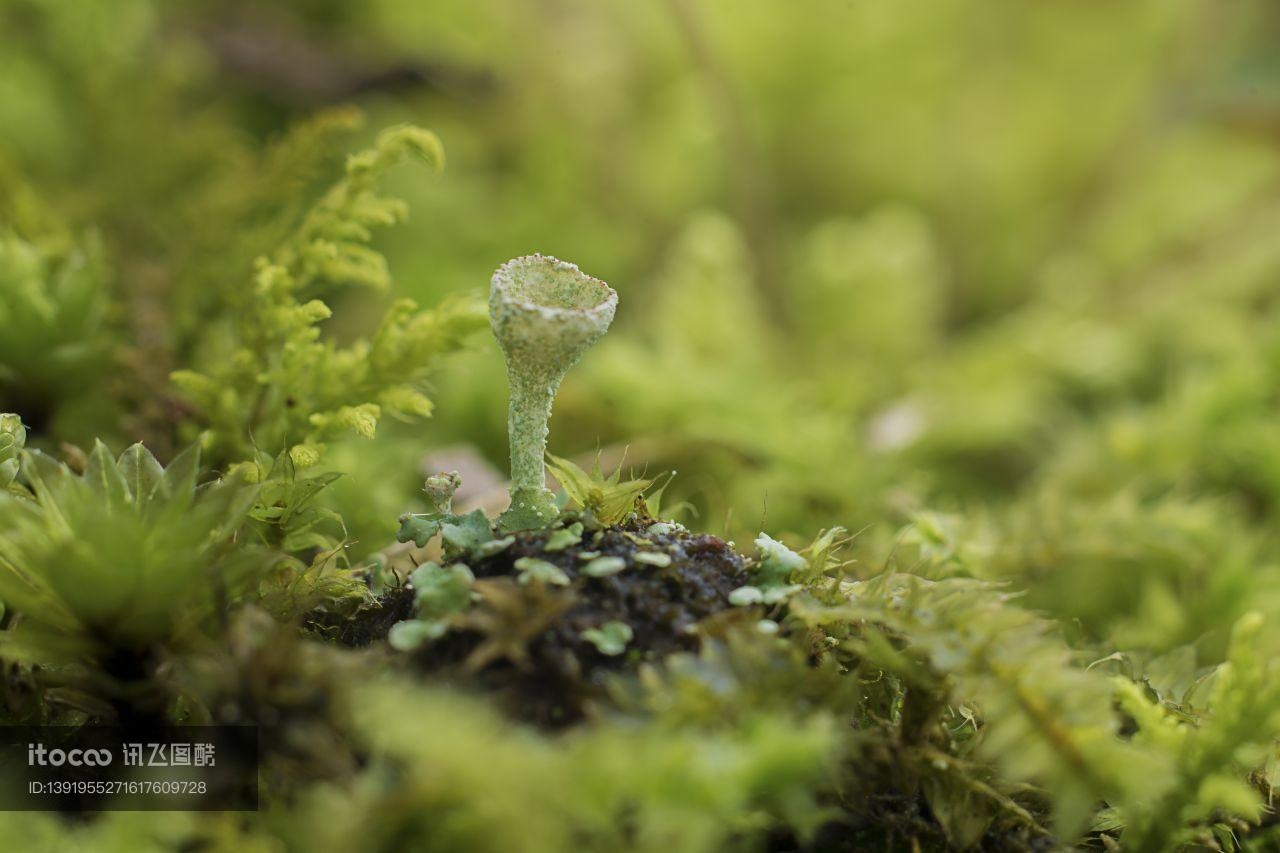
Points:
[562,670]
[528,643]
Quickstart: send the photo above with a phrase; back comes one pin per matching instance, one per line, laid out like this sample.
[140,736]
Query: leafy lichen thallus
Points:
[545,313]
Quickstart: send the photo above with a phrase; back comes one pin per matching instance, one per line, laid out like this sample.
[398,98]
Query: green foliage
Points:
[1045,720]
[533,570]
[286,510]
[771,574]
[438,594]
[489,787]
[1149,576]
[1210,745]
[608,499]
[13,437]
[53,310]
[421,527]
[459,534]
[991,283]
[306,540]
[603,567]
[124,556]
[279,385]
[611,638]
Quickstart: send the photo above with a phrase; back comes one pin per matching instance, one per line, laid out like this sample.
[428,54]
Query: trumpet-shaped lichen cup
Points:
[545,313]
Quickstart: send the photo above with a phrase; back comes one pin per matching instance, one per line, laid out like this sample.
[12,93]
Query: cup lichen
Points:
[545,313]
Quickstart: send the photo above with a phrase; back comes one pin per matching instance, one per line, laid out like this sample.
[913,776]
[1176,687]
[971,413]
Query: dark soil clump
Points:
[524,641]
[369,623]
[660,603]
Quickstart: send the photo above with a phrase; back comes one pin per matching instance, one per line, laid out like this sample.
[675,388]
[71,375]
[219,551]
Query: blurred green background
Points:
[1011,263]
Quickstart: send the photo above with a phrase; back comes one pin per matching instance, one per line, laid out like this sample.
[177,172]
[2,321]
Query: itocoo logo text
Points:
[38,755]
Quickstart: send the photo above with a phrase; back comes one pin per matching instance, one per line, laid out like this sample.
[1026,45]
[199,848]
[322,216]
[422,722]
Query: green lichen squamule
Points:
[545,313]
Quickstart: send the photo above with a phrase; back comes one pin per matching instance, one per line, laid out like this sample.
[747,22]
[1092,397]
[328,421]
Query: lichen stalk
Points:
[545,313]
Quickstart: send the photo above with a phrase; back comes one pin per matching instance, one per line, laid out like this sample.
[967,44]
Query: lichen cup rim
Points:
[503,278]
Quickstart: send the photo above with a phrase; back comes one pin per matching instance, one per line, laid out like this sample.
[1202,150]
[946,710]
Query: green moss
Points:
[957,278]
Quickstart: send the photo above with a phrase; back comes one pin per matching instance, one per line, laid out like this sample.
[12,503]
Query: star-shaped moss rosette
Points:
[545,313]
